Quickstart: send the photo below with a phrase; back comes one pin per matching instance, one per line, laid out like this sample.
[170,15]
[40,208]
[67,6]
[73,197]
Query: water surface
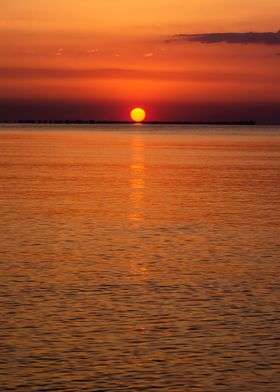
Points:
[139,258]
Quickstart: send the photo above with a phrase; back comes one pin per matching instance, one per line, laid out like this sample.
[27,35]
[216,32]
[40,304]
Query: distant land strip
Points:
[67,122]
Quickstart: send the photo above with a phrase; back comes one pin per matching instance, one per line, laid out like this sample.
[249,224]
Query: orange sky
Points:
[97,59]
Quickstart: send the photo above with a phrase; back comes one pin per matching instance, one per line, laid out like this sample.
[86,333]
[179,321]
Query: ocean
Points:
[139,258]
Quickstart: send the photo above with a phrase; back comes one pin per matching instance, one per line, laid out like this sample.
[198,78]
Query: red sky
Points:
[97,59]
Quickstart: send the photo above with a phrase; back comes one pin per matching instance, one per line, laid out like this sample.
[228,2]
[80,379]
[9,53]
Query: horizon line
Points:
[92,122]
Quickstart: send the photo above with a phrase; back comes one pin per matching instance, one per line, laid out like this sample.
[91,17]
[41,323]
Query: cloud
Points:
[30,52]
[59,52]
[205,76]
[265,38]
[92,51]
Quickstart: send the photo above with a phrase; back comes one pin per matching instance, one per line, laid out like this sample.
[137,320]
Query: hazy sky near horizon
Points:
[180,60]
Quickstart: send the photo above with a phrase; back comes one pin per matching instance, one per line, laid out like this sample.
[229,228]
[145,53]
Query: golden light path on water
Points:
[137,182]
[136,215]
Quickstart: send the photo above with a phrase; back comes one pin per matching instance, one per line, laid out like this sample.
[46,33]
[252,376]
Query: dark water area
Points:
[139,258]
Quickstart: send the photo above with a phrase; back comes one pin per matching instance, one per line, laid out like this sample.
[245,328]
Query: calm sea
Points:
[139,258]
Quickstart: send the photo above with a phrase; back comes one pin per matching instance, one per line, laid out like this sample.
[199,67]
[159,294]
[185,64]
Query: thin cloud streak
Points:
[265,38]
[211,76]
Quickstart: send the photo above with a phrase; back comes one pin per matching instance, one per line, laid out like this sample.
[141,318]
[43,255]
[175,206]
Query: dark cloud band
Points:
[265,38]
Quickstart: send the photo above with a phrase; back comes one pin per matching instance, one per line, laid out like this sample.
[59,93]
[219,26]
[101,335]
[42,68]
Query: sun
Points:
[138,114]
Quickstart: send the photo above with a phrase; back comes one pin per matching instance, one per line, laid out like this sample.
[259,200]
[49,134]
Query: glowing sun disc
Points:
[138,114]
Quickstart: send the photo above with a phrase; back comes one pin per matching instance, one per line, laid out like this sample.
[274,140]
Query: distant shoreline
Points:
[92,122]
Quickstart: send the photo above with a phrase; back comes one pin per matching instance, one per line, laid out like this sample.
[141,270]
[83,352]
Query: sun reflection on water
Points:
[137,180]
